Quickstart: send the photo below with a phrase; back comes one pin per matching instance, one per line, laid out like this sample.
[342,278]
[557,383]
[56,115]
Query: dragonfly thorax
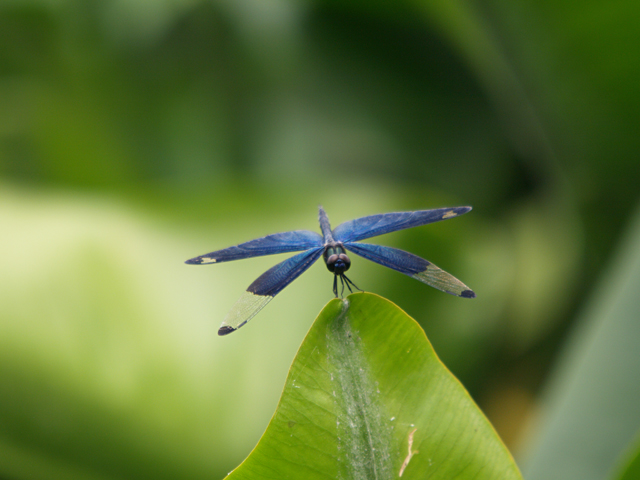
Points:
[336,259]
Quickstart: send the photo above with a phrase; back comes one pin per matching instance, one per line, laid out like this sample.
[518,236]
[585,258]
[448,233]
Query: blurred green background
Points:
[137,134]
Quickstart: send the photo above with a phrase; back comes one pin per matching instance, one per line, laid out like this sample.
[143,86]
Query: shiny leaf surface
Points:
[367,397]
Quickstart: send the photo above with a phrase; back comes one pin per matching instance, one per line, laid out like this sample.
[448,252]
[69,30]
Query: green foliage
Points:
[630,469]
[367,397]
[134,135]
[591,410]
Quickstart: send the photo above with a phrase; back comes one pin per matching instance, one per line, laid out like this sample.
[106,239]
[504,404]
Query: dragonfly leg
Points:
[350,282]
[335,285]
[345,280]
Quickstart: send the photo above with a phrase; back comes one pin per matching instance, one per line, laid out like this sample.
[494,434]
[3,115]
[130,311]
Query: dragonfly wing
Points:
[373,225]
[267,286]
[269,245]
[412,265]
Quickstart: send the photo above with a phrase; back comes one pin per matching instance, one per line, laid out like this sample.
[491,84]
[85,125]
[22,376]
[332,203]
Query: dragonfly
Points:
[333,246]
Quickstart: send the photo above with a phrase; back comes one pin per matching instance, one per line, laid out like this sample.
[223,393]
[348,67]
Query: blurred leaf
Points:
[592,409]
[548,246]
[631,467]
[110,366]
[367,397]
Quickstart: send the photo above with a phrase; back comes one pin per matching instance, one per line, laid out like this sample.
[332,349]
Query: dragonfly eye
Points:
[331,262]
[341,264]
[338,263]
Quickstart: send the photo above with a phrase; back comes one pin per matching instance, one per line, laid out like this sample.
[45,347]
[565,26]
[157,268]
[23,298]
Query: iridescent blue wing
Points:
[269,245]
[267,286]
[371,226]
[412,265]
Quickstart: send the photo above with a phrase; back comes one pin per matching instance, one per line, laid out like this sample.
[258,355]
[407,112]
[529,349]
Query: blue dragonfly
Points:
[332,245]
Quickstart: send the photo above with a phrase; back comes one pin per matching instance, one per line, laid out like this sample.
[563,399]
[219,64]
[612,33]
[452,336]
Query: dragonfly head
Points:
[336,259]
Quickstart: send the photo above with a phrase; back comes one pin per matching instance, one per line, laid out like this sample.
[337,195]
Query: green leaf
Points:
[590,412]
[630,469]
[367,398]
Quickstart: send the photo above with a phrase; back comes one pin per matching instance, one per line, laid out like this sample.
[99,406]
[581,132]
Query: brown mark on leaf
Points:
[411,453]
